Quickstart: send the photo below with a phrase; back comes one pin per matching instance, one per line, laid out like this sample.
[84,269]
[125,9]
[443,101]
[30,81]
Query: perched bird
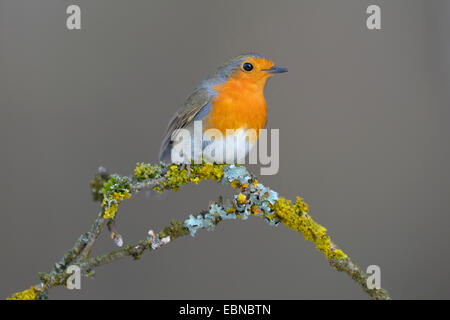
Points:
[231,102]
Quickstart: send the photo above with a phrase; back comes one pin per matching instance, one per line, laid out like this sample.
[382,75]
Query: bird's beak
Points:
[276,69]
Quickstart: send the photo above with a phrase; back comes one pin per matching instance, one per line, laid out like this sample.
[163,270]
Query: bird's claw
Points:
[188,168]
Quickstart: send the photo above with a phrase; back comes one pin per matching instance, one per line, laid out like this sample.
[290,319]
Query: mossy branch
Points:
[252,199]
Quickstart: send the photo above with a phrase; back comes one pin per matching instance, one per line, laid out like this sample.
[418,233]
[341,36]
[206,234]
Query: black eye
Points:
[247,66]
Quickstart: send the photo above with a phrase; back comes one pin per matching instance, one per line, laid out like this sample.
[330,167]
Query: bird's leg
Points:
[186,165]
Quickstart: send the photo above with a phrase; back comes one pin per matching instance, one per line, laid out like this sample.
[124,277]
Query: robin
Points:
[228,108]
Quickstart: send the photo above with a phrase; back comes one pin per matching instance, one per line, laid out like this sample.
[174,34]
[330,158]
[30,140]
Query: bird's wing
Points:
[194,105]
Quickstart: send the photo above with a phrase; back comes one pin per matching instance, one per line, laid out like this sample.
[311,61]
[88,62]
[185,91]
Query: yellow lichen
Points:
[111,204]
[195,180]
[145,171]
[255,209]
[235,184]
[141,171]
[111,211]
[241,198]
[209,171]
[175,178]
[29,294]
[295,216]
[120,196]
[229,210]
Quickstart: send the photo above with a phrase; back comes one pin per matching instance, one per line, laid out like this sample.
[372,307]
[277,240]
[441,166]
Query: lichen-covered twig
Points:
[252,199]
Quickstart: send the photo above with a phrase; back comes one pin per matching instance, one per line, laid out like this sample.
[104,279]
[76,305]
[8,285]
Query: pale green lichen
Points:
[253,199]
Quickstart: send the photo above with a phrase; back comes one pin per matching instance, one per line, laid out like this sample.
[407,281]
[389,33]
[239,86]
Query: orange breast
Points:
[238,104]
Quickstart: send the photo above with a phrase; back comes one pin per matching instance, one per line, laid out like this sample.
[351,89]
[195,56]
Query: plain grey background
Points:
[364,129]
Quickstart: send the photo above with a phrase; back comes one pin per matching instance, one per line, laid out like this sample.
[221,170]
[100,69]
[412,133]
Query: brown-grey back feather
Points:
[193,105]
